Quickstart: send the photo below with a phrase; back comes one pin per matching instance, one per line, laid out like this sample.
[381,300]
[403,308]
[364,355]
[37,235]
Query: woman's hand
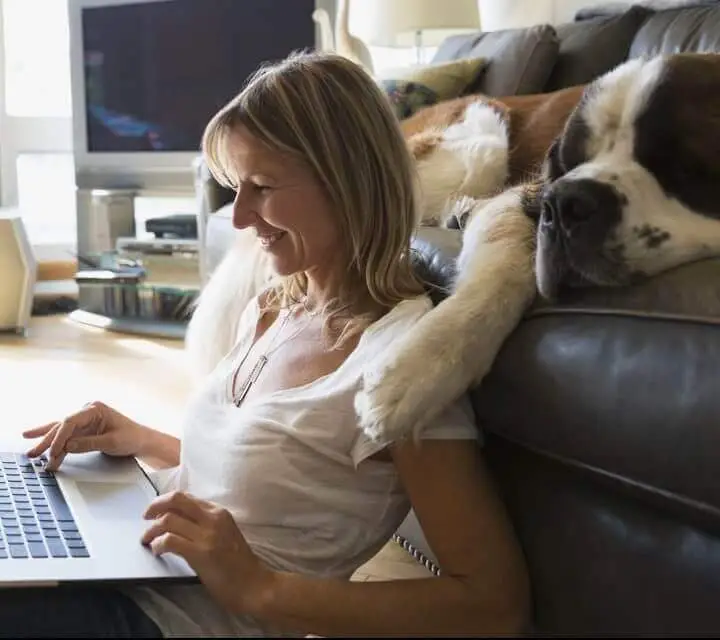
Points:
[207,537]
[96,427]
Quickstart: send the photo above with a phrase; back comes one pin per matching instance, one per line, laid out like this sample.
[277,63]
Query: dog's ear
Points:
[678,132]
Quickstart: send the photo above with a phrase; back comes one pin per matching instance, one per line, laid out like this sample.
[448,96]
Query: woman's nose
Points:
[243,212]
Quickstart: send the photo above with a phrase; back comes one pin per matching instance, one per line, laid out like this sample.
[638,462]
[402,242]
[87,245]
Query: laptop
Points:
[80,524]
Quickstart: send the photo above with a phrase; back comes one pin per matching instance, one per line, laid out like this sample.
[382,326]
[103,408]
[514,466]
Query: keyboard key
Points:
[3,554]
[75,544]
[79,553]
[58,504]
[57,549]
[37,550]
[18,551]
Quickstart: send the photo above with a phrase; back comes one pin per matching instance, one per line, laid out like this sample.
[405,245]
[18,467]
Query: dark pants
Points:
[72,612]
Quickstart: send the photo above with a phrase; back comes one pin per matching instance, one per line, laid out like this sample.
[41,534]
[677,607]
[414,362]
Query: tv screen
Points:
[156,72]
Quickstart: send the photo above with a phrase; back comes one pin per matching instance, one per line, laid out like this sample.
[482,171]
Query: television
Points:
[147,75]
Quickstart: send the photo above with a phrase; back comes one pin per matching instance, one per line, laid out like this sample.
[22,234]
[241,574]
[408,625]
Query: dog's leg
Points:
[454,345]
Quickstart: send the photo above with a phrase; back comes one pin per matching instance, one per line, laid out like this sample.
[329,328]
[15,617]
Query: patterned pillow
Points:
[411,88]
[407,97]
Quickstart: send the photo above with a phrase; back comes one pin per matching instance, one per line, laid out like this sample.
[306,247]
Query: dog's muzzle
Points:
[578,218]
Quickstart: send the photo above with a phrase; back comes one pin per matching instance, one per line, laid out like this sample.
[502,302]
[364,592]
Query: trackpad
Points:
[113,500]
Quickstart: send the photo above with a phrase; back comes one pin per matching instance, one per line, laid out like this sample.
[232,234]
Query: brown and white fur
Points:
[630,189]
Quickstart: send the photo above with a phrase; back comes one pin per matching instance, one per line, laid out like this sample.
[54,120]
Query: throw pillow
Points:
[519,60]
[408,97]
[411,88]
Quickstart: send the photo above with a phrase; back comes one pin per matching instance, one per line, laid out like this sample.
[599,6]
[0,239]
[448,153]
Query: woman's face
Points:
[282,201]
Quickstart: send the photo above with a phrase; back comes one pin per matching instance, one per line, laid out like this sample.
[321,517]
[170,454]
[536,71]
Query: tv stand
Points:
[133,282]
[168,329]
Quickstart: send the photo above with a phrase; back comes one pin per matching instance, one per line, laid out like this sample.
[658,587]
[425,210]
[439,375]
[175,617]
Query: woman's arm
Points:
[483,589]
[157,449]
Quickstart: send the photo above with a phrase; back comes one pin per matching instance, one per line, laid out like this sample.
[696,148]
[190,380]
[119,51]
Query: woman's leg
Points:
[77,612]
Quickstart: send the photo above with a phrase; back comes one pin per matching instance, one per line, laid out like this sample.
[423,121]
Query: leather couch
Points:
[599,413]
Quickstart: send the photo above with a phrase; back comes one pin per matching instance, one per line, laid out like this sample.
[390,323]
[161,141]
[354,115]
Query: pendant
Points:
[250,380]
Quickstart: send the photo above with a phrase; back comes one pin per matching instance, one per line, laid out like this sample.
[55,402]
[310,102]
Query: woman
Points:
[276,496]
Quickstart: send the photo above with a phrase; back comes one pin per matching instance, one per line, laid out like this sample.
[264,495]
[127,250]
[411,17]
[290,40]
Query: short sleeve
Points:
[457,422]
[164,480]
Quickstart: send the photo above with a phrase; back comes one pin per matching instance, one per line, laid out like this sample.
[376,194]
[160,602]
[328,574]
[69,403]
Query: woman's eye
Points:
[262,187]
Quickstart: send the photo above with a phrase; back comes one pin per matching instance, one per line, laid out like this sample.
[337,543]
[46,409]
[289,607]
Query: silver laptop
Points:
[82,523]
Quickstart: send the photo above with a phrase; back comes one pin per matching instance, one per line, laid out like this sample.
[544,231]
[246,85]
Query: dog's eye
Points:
[553,164]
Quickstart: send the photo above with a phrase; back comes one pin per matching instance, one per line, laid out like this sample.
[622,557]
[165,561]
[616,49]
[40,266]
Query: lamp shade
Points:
[392,23]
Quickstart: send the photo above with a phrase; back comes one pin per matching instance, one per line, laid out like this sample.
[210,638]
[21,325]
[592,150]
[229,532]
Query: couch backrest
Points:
[546,58]
[695,29]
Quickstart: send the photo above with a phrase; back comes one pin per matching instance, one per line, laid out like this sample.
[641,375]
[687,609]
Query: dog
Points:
[465,150]
[629,189]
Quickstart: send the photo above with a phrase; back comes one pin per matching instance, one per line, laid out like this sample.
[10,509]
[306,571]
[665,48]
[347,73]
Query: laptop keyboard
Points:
[35,521]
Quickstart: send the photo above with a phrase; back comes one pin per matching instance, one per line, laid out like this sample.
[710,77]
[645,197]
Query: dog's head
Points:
[632,186]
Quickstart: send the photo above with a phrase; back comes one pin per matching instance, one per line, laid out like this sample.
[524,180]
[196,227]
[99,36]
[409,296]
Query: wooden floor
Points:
[60,365]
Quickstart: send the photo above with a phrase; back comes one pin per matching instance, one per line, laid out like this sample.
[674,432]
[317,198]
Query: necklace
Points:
[239,395]
[313,313]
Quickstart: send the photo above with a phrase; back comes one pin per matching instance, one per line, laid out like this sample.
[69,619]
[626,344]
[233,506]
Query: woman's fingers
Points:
[76,422]
[188,506]
[36,432]
[48,432]
[172,523]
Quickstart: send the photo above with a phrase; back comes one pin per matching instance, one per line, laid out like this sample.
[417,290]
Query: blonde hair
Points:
[328,112]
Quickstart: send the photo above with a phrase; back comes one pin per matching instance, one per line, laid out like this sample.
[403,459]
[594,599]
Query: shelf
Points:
[170,329]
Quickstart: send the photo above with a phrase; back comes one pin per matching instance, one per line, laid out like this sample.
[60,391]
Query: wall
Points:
[507,14]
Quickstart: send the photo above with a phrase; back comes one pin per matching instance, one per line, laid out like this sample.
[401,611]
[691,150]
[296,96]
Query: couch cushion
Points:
[589,48]
[519,60]
[695,29]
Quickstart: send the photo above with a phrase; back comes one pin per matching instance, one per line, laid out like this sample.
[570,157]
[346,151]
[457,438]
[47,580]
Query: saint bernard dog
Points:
[629,189]
[600,185]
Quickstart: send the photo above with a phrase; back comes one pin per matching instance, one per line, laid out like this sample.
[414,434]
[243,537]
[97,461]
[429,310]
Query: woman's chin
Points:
[281,266]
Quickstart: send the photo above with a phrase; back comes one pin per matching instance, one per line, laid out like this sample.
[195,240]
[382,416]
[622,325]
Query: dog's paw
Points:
[391,404]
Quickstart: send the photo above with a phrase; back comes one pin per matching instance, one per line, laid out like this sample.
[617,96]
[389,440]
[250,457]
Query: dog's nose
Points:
[573,203]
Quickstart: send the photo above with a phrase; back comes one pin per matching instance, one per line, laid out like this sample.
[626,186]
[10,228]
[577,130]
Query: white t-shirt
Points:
[292,467]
